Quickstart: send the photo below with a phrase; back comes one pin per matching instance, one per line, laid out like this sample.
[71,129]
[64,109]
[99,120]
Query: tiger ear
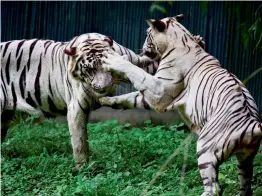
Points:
[179,17]
[71,51]
[158,24]
[109,40]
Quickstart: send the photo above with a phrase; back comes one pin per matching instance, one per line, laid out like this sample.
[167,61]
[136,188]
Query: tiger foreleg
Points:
[126,101]
[77,122]
[158,93]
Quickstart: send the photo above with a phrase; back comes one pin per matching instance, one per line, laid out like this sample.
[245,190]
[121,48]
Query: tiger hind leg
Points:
[6,117]
[208,167]
[245,173]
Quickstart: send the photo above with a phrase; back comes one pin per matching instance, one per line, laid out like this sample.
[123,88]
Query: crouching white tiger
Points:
[44,77]
[211,100]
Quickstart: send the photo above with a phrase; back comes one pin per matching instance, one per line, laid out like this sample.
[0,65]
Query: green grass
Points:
[37,160]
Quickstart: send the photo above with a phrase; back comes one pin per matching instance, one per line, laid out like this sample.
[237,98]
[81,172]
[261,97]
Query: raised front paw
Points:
[108,101]
[112,61]
[113,102]
[105,101]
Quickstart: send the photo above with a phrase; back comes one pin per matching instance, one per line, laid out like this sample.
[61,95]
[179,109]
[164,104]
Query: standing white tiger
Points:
[44,77]
[212,101]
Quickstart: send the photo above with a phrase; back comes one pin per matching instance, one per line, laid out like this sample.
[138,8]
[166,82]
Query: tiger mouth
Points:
[104,91]
[151,55]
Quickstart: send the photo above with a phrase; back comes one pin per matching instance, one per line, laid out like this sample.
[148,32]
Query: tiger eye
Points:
[83,61]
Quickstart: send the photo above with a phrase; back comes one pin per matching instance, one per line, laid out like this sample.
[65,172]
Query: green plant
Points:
[37,160]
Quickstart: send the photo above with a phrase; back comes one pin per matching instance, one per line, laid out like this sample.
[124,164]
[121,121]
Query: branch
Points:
[252,75]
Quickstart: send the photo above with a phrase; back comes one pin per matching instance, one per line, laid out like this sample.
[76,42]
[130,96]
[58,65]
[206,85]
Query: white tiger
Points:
[45,77]
[212,101]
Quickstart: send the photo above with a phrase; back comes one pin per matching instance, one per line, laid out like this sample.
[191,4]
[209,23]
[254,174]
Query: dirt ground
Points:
[132,116]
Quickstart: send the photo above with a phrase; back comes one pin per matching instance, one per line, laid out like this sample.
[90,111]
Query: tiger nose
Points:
[98,88]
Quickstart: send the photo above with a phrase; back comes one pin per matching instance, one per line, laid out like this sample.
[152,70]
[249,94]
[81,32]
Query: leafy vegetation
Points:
[37,160]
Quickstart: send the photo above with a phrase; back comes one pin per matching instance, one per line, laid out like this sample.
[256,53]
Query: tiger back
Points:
[49,78]
[213,102]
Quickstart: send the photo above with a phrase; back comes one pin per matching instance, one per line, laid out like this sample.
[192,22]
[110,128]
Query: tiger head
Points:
[85,64]
[164,34]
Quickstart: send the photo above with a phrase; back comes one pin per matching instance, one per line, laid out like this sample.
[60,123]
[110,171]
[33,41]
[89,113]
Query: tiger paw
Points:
[113,62]
[107,101]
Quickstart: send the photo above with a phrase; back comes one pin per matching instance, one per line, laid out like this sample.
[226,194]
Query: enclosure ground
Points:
[37,160]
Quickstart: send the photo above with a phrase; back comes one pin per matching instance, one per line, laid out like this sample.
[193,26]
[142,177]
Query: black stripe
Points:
[181,94]
[7,69]
[128,53]
[202,151]
[164,78]
[214,76]
[49,85]
[183,41]
[83,110]
[146,106]
[47,43]
[30,53]
[220,120]
[135,101]
[191,37]
[188,50]
[211,94]
[19,46]
[30,101]
[205,83]
[37,82]
[60,62]
[47,47]
[14,95]
[2,78]
[198,52]
[164,68]
[244,132]
[213,125]
[189,71]
[3,88]
[22,82]
[5,96]
[167,54]
[175,33]
[19,61]
[52,55]
[5,49]
[69,85]
[53,108]
[120,49]
[227,100]
[205,165]
[185,37]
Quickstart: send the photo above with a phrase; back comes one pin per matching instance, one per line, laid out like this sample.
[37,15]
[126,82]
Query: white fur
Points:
[214,108]
[57,82]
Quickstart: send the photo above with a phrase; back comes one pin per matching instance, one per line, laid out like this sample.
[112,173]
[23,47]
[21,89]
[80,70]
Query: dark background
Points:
[217,22]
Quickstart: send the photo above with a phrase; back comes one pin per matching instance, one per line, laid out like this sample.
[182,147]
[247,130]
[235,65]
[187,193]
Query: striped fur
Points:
[211,100]
[45,77]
